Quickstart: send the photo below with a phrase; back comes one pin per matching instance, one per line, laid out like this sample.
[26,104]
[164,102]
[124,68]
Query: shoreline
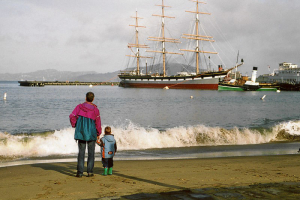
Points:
[268,177]
[172,153]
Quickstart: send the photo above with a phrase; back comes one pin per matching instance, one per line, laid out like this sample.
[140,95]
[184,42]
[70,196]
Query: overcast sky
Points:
[92,35]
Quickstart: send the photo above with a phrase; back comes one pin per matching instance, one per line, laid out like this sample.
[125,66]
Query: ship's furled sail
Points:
[198,37]
[163,39]
[137,45]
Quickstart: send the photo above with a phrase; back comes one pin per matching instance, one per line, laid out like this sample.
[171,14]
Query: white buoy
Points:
[263,97]
[4,96]
[166,88]
[278,91]
[90,85]
[192,97]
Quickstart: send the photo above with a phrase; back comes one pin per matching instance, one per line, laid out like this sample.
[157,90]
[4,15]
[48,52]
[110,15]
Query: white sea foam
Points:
[291,127]
[134,137]
[141,138]
[60,142]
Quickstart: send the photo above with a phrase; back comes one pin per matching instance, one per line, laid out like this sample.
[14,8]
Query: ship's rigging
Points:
[182,80]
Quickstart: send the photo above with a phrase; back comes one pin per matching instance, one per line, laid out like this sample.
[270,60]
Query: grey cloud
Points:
[93,34]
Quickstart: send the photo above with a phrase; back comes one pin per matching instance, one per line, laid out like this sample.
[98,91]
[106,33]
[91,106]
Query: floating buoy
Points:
[112,84]
[4,97]
[263,97]
[278,91]
[166,88]
[90,85]
[192,97]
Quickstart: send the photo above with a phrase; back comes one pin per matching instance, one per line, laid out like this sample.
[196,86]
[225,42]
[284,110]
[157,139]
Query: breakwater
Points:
[74,83]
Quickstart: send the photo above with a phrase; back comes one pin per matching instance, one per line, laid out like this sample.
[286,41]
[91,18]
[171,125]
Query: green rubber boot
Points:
[110,171]
[105,172]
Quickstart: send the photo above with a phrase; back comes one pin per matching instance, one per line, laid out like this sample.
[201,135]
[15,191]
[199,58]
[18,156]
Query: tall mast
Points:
[136,44]
[198,37]
[163,39]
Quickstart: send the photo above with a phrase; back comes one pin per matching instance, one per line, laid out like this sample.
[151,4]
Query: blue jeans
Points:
[81,155]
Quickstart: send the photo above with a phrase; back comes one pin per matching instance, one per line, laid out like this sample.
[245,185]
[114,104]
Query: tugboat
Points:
[245,85]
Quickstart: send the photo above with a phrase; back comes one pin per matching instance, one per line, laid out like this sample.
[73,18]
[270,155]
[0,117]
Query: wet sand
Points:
[262,177]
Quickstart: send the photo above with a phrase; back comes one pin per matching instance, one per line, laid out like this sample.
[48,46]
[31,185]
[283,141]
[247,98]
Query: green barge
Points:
[228,87]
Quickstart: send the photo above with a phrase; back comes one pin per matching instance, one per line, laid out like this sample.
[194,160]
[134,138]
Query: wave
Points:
[134,137]
[37,144]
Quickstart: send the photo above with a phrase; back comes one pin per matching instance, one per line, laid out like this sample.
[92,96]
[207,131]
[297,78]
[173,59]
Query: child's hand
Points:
[98,142]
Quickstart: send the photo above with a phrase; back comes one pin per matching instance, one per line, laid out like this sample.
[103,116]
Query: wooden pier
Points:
[61,83]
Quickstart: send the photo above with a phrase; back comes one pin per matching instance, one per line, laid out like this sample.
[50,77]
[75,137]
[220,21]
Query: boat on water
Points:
[205,80]
[243,84]
[223,87]
[287,76]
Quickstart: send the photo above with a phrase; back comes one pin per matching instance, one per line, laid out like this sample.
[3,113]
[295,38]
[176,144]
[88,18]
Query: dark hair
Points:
[107,130]
[90,97]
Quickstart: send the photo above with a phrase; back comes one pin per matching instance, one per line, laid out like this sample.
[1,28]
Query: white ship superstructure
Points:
[287,73]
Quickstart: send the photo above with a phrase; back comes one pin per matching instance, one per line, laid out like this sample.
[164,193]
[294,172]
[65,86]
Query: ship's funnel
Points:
[220,68]
[254,73]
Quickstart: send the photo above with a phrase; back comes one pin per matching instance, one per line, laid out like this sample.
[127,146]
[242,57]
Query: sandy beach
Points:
[265,177]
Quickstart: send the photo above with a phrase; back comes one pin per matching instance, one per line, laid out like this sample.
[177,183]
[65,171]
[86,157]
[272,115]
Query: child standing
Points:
[108,149]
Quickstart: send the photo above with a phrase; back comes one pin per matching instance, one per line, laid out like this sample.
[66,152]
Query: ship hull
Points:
[225,87]
[201,83]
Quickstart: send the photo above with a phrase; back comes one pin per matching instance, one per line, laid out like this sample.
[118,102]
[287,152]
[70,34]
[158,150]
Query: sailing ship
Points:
[205,80]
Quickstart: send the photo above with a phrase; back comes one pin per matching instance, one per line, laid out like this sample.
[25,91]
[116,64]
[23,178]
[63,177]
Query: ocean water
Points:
[148,123]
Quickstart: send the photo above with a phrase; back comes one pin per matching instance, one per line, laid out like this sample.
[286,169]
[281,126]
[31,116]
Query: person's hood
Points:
[86,107]
[109,137]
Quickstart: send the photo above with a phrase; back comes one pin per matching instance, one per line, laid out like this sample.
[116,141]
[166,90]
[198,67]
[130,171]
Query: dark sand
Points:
[265,177]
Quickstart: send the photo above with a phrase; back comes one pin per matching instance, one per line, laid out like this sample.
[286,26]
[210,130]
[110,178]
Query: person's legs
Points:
[110,162]
[91,156]
[110,166]
[105,162]
[105,165]
[80,158]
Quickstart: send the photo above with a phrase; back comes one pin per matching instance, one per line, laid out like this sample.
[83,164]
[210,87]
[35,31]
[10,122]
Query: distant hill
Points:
[55,75]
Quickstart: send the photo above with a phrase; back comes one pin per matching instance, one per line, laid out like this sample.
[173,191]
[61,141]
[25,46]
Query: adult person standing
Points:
[86,120]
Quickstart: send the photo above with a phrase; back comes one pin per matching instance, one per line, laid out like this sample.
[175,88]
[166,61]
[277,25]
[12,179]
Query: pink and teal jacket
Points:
[86,120]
